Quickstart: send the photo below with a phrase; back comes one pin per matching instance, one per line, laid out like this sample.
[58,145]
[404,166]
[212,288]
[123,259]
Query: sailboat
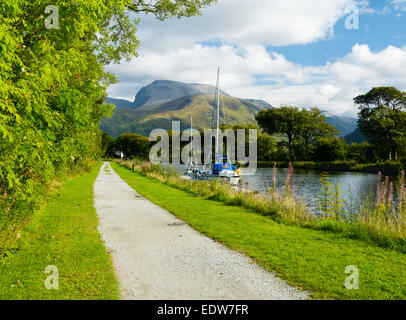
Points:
[220,169]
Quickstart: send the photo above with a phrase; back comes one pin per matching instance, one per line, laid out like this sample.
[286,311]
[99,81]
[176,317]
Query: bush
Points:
[51,103]
[361,152]
[329,149]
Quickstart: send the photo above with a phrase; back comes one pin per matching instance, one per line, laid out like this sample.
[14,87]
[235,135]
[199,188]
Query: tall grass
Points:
[385,215]
[379,218]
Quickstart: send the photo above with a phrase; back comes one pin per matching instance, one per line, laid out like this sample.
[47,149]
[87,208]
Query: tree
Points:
[361,152]
[382,118]
[314,126]
[133,145]
[108,145]
[329,149]
[309,125]
[53,87]
[266,147]
[286,120]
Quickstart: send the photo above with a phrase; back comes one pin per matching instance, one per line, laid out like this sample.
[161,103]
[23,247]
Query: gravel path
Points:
[158,257]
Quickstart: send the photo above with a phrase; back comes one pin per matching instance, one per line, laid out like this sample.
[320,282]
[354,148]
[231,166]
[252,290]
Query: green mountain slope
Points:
[158,104]
[345,125]
[161,91]
[200,107]
[355,136]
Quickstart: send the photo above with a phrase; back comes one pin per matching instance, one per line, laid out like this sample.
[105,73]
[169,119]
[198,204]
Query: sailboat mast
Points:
[218,115]
[191,141]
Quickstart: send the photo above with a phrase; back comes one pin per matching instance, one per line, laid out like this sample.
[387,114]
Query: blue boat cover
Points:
[218,167]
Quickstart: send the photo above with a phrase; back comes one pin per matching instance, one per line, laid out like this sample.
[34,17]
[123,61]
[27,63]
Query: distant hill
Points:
[120,103]
[162,91]
[159,103]
[200,107]
[355,136]
[205,88]
[345,125]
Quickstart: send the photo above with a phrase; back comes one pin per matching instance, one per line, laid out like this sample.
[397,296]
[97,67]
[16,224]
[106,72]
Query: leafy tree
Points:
[266,147]
[53,88]
[108,145]
[314,126]
[361,152]
[382,118]
[286,120]
[302,151]
[133,145]
[309,125]
[329,149]
[282,151]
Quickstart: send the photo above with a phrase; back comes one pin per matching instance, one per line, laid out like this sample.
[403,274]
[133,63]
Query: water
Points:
[354,185]
[307,183]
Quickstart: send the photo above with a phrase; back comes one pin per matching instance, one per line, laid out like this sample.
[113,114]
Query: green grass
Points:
[64,234]
[310,259]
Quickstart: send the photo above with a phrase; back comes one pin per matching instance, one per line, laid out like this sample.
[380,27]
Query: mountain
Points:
[120,103]
[345,125]
[159,103]
[200,107]
[355,136]
[263,104]
[162,91]
[205,88]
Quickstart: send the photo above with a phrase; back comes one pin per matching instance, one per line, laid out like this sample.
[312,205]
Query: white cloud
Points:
[395,7]
[399,4]
[174,50]
[276,23]
[330,87]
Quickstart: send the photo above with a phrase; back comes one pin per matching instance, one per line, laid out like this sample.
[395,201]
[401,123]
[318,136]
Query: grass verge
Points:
[309,259]
[63,234]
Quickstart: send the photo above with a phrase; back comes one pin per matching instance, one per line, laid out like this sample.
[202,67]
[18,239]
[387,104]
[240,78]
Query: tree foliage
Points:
[296,124]
[329,149]
[53,87]
[382,118]
[133,145]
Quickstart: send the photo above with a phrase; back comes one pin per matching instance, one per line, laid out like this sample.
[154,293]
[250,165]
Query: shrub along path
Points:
[313,260]
[157,256]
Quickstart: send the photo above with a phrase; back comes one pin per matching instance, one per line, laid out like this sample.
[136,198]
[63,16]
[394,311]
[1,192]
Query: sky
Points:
[304,53]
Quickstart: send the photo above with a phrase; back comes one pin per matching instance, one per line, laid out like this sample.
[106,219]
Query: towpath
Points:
[158,257]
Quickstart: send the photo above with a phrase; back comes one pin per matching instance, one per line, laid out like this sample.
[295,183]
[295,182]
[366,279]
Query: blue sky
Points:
[377,29]
[296,52]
